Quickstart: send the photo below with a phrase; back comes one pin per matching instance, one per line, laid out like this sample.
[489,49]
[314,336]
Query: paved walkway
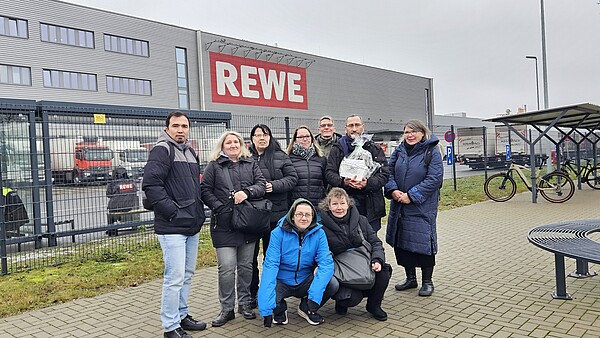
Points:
[490,282]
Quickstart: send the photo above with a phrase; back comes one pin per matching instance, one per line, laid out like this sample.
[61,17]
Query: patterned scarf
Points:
[305,153]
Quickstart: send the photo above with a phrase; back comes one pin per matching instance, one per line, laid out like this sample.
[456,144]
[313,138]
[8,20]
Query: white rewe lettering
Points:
[293,87]
[248,81]
[272,82]
[226,80]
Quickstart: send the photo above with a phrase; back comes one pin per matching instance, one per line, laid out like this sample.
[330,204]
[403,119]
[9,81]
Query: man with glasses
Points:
[327,135]
[297,263]
[367,193]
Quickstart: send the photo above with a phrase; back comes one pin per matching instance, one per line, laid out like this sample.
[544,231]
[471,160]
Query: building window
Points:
[67,36]
[69,80]
[123,85]
[124,45]
[15,75]
[13,27]
[182,78]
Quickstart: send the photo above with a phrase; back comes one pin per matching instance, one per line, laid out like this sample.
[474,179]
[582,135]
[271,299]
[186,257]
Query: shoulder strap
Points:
[362,238]
[228,178]
[429,154]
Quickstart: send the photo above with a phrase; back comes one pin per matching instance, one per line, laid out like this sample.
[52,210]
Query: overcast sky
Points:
[473,49]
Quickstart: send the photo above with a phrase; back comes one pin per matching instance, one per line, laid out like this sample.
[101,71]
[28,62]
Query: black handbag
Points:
[250,216]
[353,268]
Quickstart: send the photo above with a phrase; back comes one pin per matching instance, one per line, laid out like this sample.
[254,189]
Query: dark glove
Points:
[268,321]
[313,306]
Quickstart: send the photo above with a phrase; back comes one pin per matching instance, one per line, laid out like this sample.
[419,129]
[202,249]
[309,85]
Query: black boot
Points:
[411,279]
[427,287]
[222,318]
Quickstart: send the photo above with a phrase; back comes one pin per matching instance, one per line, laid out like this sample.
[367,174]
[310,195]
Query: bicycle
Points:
[555,187]
[587,173]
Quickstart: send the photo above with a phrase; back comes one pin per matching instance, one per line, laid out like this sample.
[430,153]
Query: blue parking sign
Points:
[449,155]
[508,152]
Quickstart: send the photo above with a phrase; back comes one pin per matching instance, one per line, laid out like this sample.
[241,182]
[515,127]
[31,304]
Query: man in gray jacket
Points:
[172,187]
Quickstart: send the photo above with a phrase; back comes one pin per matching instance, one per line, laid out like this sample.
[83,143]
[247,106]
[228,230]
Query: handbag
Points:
[352,267]
[250,216]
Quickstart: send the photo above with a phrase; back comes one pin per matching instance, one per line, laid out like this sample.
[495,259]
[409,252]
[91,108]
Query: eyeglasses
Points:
[326,125]
[300,215]
[354,125]
[303,137]
[261,135]
[411,132]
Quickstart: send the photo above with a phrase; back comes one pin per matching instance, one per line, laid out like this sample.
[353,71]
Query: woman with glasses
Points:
[281,178]
[310,165]
[343,225]
[414,191]
[231,160]
[298,263]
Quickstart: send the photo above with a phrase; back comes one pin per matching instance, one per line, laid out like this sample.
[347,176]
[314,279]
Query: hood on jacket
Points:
[164,137]
[289,217]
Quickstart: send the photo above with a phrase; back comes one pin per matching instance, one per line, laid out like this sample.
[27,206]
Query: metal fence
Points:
[60,158]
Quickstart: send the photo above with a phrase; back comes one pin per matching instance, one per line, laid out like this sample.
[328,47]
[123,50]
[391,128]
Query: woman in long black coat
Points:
[310,165]
[281,178]
[341,222]
[234,248]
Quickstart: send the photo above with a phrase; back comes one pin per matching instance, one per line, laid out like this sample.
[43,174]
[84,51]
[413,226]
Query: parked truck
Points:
[80,160]
[130,155]
[471,147]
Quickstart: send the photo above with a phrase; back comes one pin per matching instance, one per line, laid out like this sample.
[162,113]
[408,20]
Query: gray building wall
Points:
[335,87]
[159,67]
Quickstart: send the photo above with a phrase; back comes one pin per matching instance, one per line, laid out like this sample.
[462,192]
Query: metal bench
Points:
[568,239]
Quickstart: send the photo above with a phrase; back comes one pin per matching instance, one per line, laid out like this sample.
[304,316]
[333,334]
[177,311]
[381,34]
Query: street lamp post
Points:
[537,79]
[544,58]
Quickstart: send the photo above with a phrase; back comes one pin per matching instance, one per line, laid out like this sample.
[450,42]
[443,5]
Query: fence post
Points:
[287,129]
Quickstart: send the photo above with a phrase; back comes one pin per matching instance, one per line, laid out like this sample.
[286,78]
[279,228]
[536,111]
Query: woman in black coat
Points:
[281,178]
[234,248]
[341,222]
[310,165]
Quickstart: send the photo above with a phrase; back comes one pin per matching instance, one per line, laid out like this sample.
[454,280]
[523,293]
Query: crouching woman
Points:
[343,225]
[297,263]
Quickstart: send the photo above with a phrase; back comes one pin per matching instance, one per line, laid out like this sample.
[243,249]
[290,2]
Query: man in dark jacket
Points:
[367,193]
[173,190]
[327,135]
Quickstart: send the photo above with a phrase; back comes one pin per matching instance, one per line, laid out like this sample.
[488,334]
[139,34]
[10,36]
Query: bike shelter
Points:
[580,119]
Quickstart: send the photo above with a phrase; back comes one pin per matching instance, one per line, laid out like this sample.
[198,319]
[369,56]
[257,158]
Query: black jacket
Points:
[346,236]
[370,199]
[283,180]
[311,183]
[245,175]
[174,191]
[122,195]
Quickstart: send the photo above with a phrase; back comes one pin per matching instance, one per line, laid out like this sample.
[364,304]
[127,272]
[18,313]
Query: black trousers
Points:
[350,297]
[255,275]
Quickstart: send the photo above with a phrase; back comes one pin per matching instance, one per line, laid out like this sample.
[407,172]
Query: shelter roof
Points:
[583,115]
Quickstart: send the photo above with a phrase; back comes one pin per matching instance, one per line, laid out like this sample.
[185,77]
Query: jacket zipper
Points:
[300,240]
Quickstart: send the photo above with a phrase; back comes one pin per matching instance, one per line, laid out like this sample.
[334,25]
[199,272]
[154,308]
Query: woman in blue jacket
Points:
[298,263]
[414,190]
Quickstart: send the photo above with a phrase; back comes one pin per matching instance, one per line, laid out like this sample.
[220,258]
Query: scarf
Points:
[305,153]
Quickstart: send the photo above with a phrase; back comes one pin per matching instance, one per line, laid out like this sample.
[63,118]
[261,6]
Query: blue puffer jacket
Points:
[408,173]
[292,257]
[174,191]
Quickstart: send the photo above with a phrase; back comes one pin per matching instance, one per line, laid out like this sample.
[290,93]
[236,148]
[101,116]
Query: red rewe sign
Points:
[238,80]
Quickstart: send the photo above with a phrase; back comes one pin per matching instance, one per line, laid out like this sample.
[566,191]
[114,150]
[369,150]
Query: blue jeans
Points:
[179,254]
[230,260]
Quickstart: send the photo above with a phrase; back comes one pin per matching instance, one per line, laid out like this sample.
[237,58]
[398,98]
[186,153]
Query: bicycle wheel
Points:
[500,187]
[593,178]
[556,187]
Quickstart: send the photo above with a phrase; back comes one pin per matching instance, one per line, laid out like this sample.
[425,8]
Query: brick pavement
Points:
[490,282]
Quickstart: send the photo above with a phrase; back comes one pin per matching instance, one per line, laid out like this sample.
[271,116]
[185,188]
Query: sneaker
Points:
[313,318]
[280,318]
[188,323]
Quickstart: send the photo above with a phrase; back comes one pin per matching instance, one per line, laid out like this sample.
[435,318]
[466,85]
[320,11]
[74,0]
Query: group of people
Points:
[316,215]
